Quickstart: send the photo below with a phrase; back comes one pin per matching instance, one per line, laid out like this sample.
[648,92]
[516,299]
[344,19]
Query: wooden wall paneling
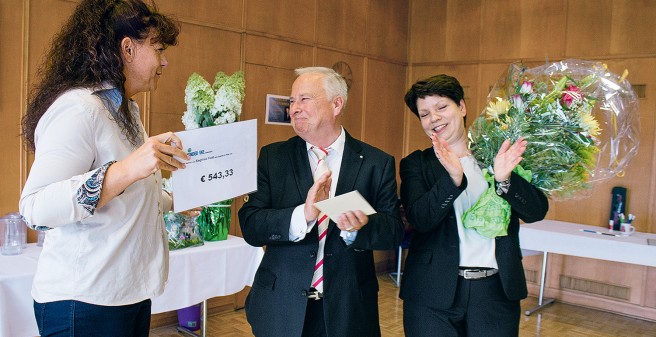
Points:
[222,13]
[428,22]
[201,49]
[633,27]
[651,218]
[542,32]
[11,104]
[605,272]
[352,114]
[387,30]
[650,290]
[501,35]
[384,107]
[589,24]
[341,23]
[464,30]
[293,19]
[533,263]
[260,81]
[46,19]
[277,53]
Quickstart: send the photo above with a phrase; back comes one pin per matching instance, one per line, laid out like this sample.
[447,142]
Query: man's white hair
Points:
[333,83]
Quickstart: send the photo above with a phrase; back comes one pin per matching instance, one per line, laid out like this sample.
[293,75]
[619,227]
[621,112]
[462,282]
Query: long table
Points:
[195,274]
[566,238]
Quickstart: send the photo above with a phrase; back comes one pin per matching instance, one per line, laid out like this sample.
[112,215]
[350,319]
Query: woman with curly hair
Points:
[95,185]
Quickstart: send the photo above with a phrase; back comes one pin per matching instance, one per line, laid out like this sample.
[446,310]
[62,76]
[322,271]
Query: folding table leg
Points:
[396,276]
[541,303]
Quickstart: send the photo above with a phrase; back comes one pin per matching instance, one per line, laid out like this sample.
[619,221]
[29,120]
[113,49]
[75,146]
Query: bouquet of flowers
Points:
[580,121]
[210,105]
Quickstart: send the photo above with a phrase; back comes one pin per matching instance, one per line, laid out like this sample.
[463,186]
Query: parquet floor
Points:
[556,320]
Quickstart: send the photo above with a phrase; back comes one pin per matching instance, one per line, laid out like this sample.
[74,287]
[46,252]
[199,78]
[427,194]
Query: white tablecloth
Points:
[215,269]
[568,239]
[16,310]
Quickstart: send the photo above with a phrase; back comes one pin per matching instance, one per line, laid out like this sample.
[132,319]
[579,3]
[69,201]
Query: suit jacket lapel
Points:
[351,163]
[298,159]
[352,159]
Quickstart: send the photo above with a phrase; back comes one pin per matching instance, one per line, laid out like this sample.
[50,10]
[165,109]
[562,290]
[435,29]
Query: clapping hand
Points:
[319,191]
[508,158]
[448,159]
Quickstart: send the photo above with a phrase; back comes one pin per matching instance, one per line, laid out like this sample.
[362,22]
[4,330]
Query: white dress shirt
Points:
[298,227]
[114,255]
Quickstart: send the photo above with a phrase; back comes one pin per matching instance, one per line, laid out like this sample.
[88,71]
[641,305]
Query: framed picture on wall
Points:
[277,110]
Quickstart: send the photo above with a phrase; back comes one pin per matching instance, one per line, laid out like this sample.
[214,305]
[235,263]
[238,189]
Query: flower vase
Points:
[214,220]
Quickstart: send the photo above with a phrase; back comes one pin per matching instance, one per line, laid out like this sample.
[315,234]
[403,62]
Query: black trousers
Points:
[315,324]
[480,308]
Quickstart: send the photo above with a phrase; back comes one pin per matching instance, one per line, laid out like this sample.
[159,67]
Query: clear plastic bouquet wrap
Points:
[182,231]
[580,120]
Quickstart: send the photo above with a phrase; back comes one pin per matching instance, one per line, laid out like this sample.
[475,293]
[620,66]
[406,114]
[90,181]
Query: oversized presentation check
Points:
[223,164]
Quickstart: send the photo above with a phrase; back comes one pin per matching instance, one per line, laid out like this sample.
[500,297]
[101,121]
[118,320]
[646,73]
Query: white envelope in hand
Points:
[351,201]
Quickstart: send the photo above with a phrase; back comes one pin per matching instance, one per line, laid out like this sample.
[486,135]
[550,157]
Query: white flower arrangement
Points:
[209,105]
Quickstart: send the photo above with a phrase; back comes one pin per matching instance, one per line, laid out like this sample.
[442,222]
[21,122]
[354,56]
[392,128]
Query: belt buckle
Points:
[315,295]
[475,274]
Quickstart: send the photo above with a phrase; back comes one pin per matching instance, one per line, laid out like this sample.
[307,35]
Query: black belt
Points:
[313,294]
[475,274]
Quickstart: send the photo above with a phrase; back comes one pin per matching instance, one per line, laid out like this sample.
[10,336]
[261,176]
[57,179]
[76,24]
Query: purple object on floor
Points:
[189,317]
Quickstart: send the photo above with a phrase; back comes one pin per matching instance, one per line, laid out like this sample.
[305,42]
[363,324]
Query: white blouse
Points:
[475,249]
[114,255]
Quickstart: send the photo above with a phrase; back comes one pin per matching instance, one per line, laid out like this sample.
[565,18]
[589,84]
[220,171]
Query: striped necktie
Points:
[322,221]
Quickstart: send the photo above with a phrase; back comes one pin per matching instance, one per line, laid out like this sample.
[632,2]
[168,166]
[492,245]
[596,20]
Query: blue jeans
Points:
[74,318]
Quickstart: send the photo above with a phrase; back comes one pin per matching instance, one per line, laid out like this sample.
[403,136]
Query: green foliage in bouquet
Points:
[554,114]
[209,105]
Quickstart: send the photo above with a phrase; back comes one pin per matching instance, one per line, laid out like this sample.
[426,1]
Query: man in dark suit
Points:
[318,280]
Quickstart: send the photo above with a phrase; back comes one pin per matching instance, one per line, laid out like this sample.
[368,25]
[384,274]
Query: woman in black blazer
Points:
[457,282]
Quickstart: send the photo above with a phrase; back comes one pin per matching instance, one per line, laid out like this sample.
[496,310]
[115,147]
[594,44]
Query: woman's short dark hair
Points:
[86,53]
[438,85]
